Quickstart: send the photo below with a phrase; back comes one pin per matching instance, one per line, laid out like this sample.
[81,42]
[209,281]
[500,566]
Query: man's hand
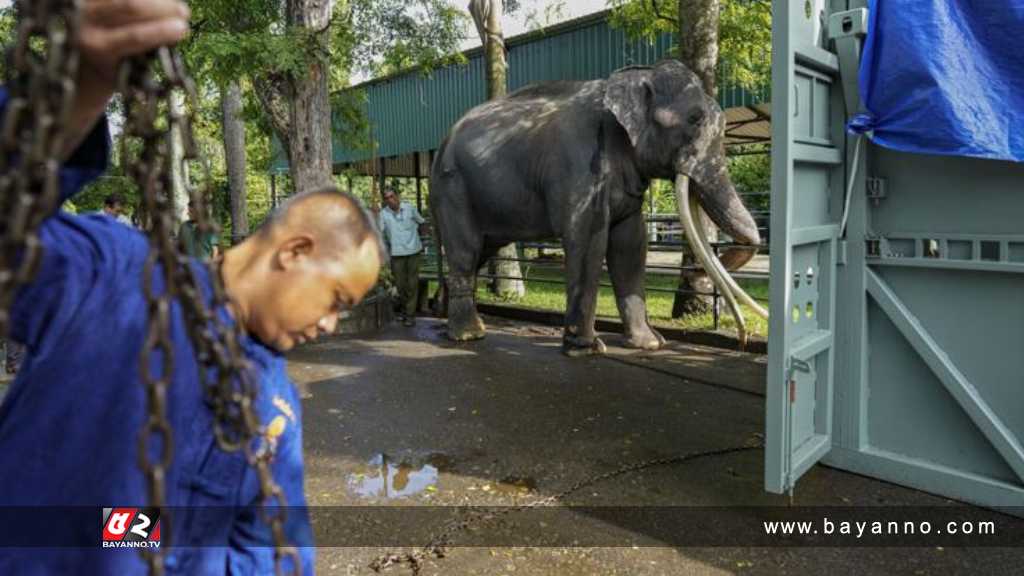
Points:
[112,30]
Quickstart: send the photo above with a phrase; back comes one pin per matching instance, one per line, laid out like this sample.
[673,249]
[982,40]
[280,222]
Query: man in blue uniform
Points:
[70,422]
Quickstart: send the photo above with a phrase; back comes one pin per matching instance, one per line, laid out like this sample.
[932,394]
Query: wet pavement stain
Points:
[389,477]
[516,485]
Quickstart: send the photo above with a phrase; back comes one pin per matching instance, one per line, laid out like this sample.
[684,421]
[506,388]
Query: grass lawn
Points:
[551,296]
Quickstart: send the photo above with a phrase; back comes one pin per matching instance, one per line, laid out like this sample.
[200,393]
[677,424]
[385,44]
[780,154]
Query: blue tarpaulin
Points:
[945,77]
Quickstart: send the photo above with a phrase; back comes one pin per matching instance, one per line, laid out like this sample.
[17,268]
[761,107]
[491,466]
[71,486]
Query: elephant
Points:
[572,160]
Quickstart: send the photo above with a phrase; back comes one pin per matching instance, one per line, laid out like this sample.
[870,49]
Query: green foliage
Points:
[751,170]
[393,35]
[744,33]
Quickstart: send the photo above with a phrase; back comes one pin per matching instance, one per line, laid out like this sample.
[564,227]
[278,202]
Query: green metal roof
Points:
[412,112]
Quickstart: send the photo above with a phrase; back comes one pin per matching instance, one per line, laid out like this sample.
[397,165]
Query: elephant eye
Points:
[696,118]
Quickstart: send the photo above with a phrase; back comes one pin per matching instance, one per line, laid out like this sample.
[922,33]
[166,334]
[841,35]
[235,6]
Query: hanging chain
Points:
[438,545]
[148,85]
[41,67]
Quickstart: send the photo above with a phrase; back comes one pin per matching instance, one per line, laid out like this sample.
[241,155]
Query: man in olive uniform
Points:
[195,244]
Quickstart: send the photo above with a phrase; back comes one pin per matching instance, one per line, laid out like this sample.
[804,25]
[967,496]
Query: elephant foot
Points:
[466,331]
[576,347]
[647,339]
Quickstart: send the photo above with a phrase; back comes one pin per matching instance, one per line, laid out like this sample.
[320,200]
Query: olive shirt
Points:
[401,229]
[195,244]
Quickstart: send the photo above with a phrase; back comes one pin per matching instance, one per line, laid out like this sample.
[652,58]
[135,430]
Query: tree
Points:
[741,31]
[298,55]
[297,102]
[487,17]
[744,32]
[698,49]
[234,154]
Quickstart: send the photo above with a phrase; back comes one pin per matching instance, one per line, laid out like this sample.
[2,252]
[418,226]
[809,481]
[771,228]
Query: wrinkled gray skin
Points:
[572,160]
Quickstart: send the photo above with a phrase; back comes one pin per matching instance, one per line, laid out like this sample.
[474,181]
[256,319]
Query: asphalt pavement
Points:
[405,431]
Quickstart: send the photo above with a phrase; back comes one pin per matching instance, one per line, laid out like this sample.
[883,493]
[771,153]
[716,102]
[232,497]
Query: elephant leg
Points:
[584,257]
[463,245]
[627,264]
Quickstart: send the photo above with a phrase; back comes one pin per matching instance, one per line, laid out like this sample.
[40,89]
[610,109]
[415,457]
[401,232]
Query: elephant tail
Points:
[436,174]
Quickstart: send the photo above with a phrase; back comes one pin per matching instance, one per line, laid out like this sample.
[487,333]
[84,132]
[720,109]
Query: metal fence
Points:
[665,236]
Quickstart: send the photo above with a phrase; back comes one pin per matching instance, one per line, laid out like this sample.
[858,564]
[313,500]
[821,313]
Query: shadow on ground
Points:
[405,418]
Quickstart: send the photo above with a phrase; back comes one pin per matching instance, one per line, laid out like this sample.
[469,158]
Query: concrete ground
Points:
[509,420]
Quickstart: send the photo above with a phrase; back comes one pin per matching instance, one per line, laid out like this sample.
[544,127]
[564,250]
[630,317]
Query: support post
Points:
[273,191]
[419,181]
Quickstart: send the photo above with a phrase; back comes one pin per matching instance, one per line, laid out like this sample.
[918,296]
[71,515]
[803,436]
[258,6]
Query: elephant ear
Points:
[628,95]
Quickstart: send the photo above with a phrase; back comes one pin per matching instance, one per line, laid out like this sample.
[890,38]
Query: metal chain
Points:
[438,545]
[148,84]
[41,67]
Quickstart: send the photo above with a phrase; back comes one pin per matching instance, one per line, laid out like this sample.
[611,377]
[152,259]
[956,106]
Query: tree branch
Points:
[657,12]
[272,92]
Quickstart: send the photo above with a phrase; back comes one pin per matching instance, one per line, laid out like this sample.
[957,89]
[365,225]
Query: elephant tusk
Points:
[683,204]
[740,294]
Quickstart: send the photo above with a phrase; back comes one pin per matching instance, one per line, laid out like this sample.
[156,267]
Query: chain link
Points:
[148,85]
[438,545]
[41,67]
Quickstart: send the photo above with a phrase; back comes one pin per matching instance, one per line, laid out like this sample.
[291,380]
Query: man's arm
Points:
[109,32]
[423,229]
[47,303]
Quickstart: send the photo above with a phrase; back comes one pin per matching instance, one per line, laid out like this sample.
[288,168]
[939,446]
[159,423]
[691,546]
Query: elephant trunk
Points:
[721,202]
[713,266]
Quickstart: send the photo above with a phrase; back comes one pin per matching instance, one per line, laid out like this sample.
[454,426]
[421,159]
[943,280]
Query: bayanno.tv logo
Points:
[131,527]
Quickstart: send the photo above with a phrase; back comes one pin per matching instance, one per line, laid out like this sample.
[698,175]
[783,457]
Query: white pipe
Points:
[683,204]
[849,185]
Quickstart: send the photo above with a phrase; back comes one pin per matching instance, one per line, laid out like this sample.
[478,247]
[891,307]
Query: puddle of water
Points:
[516,485]
[388,477]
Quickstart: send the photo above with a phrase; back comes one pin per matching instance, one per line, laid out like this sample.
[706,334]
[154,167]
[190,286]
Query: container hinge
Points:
[848,29]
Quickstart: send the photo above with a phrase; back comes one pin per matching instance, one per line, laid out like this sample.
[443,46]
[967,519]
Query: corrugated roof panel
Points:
[409,112]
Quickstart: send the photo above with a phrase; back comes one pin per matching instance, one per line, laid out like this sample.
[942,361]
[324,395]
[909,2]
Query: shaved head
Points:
[334,219]
[317,255]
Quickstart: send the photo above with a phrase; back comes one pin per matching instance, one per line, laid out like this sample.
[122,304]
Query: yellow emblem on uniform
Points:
[276,427]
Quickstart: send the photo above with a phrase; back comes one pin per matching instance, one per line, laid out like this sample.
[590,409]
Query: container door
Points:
[808,184]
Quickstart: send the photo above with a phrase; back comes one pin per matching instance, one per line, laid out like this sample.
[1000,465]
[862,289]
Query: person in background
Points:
[401,226]
[114,207]
[194,243]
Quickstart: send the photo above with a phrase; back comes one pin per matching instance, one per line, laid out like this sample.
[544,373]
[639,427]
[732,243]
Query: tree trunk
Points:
[298,106]
[179,170]
[487,16]
[698,49]
[234,150]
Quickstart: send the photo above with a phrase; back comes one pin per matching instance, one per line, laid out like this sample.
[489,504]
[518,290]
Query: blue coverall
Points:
[69,424]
